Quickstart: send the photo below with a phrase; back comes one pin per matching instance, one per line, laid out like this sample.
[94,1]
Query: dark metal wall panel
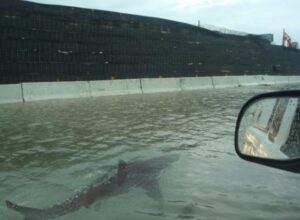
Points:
[57,43]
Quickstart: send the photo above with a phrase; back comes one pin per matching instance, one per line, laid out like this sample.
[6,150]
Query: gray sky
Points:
[252,16]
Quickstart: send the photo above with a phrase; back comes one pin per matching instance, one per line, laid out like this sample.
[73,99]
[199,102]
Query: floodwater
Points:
[52,149]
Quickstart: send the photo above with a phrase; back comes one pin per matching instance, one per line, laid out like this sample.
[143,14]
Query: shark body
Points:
[137,174]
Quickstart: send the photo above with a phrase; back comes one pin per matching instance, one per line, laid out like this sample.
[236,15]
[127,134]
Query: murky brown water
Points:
[51,149]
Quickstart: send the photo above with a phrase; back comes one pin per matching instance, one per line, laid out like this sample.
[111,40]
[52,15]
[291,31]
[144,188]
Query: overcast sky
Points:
[251,16]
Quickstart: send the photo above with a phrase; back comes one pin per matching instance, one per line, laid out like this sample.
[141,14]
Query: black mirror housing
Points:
[267,130]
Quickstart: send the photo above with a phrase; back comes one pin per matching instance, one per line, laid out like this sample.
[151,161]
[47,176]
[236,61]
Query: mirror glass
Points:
[270,128]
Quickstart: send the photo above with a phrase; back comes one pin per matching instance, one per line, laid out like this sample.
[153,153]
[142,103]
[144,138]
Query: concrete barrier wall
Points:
[62,90]
[281,79]
[225,81]
[134,86]
[262,80]
[195,83]
[250,80]
[160,85]
[115,87]
[55,90]
[11,93]
[294,79]
[268,80]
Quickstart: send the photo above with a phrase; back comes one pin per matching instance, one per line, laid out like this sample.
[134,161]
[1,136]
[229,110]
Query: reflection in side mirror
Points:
[270,128]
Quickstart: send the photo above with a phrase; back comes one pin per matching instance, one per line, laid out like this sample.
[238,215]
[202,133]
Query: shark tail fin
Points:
[14,206]
[29,213]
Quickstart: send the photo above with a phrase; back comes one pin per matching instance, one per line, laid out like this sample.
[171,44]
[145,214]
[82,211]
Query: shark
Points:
[141,173]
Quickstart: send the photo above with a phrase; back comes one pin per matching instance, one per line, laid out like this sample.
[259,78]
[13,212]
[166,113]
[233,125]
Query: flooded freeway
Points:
[51,150]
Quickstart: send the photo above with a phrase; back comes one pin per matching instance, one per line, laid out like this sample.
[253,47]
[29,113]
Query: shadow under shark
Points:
[136,174]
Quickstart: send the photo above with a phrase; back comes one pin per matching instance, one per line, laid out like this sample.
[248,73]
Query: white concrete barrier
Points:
[11,93]
[250,80]
[76,89]
[160,85]
[268,80]
[281,79]
[262,80]
[115,87]
[294,79]
[134,86]
[225,81]
[55,90]
[195,83]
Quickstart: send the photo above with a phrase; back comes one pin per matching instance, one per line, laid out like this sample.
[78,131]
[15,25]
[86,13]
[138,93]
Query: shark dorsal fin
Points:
[122,172]
[122,165]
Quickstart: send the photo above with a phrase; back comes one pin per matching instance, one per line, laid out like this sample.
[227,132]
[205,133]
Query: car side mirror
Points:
[268,130]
